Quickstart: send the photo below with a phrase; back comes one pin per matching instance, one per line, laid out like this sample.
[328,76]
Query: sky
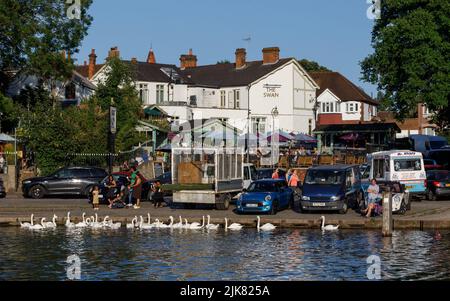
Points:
[335,33]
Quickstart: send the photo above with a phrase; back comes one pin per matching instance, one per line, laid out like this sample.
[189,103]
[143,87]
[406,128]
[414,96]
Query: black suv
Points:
[65,181]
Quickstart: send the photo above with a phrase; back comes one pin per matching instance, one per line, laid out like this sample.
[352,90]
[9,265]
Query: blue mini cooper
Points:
[265,196]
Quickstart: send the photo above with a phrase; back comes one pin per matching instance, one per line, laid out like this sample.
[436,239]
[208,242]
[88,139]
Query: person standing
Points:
[288,175]
[95,198]
[294,181]
[158,195]
[136,186]
[111,185]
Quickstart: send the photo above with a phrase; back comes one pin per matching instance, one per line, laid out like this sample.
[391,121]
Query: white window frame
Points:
[159,93]
[223,99]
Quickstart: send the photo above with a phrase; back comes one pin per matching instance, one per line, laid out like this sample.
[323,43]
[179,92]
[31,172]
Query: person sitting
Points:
[120,199]
[373,195]
[276,174]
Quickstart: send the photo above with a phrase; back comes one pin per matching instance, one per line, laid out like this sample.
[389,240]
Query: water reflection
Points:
[179,254]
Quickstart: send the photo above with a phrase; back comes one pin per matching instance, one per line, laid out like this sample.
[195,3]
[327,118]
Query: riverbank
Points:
[424,215]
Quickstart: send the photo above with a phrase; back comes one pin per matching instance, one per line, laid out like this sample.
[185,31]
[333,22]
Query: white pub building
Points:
[241,93]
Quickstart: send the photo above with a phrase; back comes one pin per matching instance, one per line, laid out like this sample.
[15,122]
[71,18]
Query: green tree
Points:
[33,34]
[312,66]
[411,59]
[119,87]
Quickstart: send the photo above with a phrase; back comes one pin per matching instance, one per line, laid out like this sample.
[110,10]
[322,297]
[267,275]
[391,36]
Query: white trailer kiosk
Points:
[207,175]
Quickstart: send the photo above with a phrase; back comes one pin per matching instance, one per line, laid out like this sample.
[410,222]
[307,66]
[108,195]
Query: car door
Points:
[349,191]
[286,193]
[81,179]
[58,182]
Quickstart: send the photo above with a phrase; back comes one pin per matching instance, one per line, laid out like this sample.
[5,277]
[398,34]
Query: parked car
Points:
[332,187]
[65,181]
[265,196]
[438,184]
[266,173]
[2,189]
[431,164]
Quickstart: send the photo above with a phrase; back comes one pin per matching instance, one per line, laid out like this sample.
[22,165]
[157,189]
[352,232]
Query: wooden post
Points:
[387,213]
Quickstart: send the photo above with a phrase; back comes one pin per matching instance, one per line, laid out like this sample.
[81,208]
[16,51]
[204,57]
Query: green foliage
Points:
[8,111]
[119,87]
[411,61]
[33,35]
[312,66]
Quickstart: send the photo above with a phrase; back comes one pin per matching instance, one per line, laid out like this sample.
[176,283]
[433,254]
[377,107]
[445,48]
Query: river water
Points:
[164,254]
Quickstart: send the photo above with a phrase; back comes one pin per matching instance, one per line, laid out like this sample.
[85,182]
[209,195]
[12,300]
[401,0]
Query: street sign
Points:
[113,119]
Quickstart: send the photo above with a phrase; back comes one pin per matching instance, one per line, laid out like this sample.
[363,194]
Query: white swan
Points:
[95,223]
[51,224]
[69,224]
[28,225]
[197,226]
[108,223]
[328,227]
[265,227]
[38,226]
[132,225]
[178,225]
[186,224]
[143,226]
[82,224]
[233,226]
[211,226]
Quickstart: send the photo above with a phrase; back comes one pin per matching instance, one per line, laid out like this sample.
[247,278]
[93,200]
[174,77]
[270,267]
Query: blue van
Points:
[332,187]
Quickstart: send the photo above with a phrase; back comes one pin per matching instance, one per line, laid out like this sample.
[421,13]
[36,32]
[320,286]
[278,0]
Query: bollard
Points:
[387,213]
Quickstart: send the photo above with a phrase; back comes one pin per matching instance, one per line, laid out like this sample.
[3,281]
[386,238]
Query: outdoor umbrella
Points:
[252,139]
[166,148]
[283,137]
[6,138]
[303,138]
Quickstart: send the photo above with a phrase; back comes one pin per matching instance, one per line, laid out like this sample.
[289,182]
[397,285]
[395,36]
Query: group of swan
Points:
[93,223]
[182,224]
[42,225]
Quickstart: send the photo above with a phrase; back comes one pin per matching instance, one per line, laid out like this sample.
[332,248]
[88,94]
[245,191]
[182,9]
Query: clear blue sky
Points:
[335,33]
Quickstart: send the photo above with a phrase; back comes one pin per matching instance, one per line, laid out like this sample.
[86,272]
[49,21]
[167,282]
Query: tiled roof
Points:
[226,74]
[340,86]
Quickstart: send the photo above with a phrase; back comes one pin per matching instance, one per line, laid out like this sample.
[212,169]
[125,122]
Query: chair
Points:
[325,160]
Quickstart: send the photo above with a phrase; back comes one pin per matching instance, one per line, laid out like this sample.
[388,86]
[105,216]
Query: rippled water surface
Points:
[218,255]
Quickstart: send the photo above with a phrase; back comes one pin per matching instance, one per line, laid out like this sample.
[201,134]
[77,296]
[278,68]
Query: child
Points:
[95,198]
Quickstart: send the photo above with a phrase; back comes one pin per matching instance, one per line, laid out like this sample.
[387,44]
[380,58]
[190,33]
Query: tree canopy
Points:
[411,58]
[312,66]
[35,33]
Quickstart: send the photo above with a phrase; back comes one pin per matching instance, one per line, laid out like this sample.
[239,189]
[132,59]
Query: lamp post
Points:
[112,134]
[274,113]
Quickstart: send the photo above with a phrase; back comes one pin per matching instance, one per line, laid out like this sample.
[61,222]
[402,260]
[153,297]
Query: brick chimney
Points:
[271,55]
[151,57]
[114,52]
[92,62]
[188,60]
[134,60]
[240,58]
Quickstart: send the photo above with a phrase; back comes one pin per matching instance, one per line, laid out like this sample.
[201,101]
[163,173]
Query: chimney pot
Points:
[134,60]
[271,55]
[114,52]
[92,63]
[188,60]
[240,58]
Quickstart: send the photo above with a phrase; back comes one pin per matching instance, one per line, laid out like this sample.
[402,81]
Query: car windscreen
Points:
[262,187]
[437,144]
[410,164]
[324,177]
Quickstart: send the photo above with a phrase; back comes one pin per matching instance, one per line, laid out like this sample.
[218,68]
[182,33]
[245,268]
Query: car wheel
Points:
[431,196]
[223,203]
[274,208]
[37,192]
[344,208]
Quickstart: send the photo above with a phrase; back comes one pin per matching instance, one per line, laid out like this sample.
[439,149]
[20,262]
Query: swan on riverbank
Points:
[178,225]
[197,226]
[265,227]
[51,224]
[211,226]
[327,227]
[233,226]
[38,226]
[82,224]
[132,225]
[27,225]
[69,224]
